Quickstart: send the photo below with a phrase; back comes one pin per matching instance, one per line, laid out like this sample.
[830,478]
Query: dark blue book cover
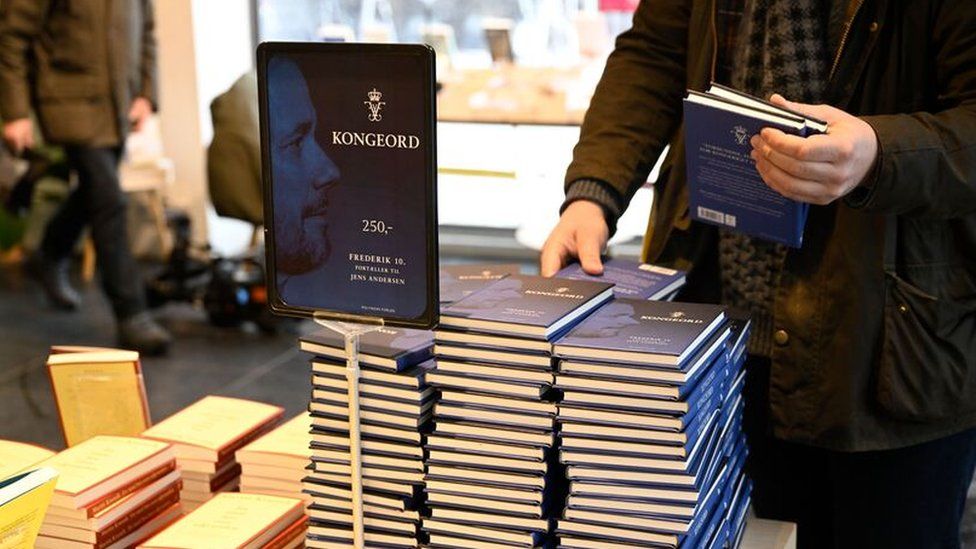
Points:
[403,347]
[460,281]
[529,306]
[631,279]
[724,187]
[652,332]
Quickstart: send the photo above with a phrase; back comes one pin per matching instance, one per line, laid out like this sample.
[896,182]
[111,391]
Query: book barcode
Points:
[709,214]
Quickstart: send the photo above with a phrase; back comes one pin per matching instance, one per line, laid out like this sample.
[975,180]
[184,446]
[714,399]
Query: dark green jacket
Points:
[872,356]
[78,64]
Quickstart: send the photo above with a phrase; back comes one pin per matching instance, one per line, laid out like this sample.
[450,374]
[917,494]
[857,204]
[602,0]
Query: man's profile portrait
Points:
[303,174]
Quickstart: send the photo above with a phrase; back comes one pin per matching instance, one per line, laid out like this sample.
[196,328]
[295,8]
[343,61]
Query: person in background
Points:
[87,69]
[861,387]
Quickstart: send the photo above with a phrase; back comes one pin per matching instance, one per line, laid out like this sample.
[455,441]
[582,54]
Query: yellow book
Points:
[212,428]
[24,499]
[231,521]
[98,391]
[287,443]
[18,456]
[102,465]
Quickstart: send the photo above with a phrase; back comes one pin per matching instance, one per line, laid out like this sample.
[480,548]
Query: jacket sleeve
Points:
[149,88]
[637,104]
[927,160]
[21,22]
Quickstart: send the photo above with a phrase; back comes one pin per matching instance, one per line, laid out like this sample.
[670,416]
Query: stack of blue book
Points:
[632,280]
[650,426]
[396,404]
[490,465]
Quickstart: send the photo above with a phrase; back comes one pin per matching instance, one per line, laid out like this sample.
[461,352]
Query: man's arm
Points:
[20,23]
[637,105]
[634,112]
[921,164]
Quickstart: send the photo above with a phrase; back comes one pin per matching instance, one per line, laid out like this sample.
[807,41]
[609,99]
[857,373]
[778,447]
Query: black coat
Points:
[872,356]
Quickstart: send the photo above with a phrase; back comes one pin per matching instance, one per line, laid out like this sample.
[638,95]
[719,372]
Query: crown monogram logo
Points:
[741,134]
[375,105]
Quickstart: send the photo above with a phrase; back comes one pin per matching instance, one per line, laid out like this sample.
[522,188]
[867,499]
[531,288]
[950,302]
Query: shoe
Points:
[141,333]
[53,274]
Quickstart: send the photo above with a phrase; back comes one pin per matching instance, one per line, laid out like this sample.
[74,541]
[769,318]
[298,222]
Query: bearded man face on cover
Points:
[303,174]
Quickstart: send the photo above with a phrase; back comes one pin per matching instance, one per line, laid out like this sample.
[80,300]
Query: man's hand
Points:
[19,135]
[821,168]
[139,112]
[582,232]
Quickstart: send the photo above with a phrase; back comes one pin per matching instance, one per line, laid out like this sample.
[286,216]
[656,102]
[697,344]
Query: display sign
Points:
[348,148]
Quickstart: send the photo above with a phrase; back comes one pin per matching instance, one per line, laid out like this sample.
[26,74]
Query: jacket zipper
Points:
[843,38]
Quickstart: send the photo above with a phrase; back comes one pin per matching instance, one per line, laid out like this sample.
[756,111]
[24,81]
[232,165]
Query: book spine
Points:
[225,477]
[139,516]
[227,453]
[108,500]
[288,536]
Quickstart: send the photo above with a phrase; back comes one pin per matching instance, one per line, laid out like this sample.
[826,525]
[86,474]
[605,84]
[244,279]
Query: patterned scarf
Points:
[780,48]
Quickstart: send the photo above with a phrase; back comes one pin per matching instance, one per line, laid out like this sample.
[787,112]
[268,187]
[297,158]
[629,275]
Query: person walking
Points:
[87,70]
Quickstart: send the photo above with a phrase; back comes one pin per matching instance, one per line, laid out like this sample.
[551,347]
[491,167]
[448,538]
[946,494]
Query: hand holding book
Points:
[818,169]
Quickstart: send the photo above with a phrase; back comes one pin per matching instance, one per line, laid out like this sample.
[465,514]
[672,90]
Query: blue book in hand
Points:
[526,306]
[631,279]
[724,186]
[658,333]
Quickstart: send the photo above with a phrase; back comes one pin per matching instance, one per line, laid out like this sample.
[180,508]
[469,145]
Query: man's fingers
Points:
[816,148]
[800,190]
[590,247]
[552,259]
[813,171]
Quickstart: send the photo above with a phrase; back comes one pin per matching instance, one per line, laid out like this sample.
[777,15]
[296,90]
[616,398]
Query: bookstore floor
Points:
[205,360]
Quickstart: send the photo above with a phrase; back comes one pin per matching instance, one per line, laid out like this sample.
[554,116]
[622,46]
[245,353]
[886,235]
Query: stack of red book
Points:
[205,436]
[111,492]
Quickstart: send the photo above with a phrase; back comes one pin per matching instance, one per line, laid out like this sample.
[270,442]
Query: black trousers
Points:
[908,498]
[98,201]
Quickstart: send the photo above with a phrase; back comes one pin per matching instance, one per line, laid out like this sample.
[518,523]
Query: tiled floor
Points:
[205,359]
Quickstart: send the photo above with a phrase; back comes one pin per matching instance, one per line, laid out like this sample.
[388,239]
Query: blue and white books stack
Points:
[738,490]
[724,187]
[461,280]
[491,469]
[631,279]
[650,425]
[396,406]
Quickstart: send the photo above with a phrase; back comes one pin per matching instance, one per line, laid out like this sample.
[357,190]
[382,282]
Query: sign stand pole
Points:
[352,332]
